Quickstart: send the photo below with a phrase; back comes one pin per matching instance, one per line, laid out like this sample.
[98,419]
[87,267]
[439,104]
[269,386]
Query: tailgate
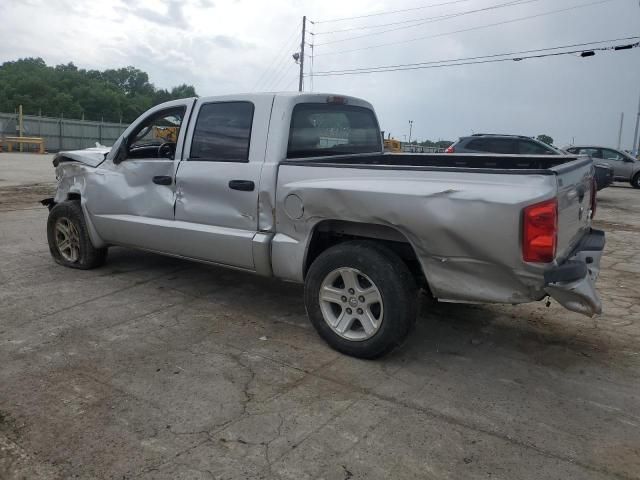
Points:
[575,186]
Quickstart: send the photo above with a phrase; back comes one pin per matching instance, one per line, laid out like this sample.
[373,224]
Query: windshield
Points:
[327,129]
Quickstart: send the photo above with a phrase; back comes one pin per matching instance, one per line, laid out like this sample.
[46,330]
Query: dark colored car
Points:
[506,144]
[522,145]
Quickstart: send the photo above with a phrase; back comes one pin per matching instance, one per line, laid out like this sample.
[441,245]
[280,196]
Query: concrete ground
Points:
[156,368]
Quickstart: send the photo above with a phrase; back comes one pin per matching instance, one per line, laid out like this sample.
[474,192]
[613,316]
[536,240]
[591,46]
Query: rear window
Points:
[324,129]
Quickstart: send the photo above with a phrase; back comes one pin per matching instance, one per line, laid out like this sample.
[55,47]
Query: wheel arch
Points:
[328,233]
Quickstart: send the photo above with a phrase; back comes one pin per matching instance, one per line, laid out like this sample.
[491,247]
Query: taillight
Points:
[540,232]
[594,201]
[336,100]
[450,149]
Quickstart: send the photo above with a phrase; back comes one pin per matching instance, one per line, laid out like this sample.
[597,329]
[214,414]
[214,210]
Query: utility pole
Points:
[634,148]
[410,128]
[304,27]
[620,131]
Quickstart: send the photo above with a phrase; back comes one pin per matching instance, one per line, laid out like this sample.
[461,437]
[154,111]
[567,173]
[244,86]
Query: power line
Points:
[420,21]
[476,60]
[272,86]
[269,70]
[281,75]
[522,52]
[520,19]
[279,68]
[389,12]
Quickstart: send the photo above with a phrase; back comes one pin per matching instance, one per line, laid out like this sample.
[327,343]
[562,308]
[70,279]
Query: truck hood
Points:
[93,156]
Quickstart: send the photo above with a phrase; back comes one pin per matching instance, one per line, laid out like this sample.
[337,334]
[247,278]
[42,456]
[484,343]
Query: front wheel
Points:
[635,181]
[68,238]
[361,298]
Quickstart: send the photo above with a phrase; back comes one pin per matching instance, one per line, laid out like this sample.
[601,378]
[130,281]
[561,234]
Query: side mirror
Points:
[121,154]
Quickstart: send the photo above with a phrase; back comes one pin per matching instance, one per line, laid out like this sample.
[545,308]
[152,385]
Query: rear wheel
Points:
[361,298]
[635,181]
[68,238]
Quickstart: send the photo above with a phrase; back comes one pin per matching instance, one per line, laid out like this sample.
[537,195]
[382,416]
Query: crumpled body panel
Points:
[463,228]
[89,156]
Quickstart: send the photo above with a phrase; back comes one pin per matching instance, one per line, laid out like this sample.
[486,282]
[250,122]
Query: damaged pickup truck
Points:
[297,187]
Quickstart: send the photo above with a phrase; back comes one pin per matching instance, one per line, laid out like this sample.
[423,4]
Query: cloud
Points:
[170,15]
[231,43]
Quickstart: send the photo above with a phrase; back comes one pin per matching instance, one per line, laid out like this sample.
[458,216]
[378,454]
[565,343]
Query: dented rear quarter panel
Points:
[464,228]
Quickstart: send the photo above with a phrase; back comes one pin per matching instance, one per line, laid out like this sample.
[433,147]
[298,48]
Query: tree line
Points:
[112,95]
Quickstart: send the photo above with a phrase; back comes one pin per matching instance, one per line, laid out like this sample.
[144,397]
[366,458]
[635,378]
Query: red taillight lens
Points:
[336,100]
[450,149]
[540,232]
[594,201]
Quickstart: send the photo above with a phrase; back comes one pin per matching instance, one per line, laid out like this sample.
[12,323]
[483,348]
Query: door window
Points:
[157,135]
[223,132]
[493,145]
[592,152]
[608,154]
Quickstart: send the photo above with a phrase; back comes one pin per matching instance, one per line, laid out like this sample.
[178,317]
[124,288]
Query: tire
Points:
[373,328]
[635,181]
[68,238]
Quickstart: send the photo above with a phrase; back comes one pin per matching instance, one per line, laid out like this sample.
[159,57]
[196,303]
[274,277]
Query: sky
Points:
[235,46]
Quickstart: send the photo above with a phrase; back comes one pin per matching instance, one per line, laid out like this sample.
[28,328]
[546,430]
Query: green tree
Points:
[112,94]
[545,139]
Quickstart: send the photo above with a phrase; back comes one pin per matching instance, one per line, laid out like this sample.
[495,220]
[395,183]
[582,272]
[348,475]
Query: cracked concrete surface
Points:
[156,368]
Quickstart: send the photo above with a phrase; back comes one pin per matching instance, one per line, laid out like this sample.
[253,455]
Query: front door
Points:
[217,182]
[132,195]
[621,168]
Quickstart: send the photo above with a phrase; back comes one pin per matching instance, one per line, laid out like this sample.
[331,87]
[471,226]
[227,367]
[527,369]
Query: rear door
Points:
[621,168]
[217,182]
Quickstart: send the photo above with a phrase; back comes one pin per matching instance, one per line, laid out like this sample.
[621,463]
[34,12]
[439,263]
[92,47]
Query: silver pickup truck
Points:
[297,187]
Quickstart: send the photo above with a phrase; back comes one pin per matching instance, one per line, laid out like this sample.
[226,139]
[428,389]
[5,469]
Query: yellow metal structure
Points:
[168,134]
[392,145]
[24,141]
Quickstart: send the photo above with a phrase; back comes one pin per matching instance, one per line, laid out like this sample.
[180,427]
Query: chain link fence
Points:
[61,133]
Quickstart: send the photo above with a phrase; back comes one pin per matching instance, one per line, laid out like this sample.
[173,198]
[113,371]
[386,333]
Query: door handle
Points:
[242,185]
[162,180]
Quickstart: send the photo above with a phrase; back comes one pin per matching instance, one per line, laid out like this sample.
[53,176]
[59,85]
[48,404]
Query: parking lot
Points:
[156,368]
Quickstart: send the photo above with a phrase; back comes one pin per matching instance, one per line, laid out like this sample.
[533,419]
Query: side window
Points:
[527,147]
[480,145]
[611,155]
[222,132]
[492,145]
[157,135]
[504,146]
[592,152]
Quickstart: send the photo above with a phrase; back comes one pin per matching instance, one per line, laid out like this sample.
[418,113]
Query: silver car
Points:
[625,167]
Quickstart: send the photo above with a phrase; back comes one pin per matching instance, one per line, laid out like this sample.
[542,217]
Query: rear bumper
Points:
[572,283]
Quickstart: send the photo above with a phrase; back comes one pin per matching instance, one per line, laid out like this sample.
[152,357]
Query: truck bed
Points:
[489,163]
[461,213]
